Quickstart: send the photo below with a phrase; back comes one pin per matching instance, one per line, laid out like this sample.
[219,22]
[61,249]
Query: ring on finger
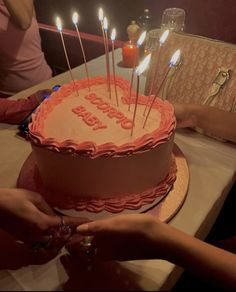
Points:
[63,227]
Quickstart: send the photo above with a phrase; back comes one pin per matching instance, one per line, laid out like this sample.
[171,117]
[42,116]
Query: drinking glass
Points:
[173,19]
[152,41]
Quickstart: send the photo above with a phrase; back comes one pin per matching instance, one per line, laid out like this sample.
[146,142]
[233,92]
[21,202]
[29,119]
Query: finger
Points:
[74,245]
[39,202]
[42,93]
[63,221]
[75,239]
[47,223]
[94,227]
[42,205]
[85,228]
[73,222]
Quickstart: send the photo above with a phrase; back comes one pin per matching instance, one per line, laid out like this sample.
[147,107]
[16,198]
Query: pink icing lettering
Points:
[120,116]
[104,106]
[100,125]
[107,109]
[87,117]
[121,120]
[97,101]
[127,124]
[91,121]
[90,96]
[112,113]
[78,109]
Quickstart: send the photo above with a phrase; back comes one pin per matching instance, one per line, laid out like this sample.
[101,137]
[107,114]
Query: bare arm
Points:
[21,11]
[129,237]
[15,111]
[204,260]
[212,120]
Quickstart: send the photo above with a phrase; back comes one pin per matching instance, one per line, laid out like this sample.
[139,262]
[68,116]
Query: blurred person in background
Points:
[22,62]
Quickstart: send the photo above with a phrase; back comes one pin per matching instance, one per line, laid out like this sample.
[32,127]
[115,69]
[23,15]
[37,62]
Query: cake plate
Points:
[164,207]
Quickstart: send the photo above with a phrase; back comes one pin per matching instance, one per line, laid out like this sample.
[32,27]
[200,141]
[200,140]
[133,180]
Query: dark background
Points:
[210,18]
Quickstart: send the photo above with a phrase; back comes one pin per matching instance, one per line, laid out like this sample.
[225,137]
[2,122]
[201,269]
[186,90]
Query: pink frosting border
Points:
[114,204]
[90,148]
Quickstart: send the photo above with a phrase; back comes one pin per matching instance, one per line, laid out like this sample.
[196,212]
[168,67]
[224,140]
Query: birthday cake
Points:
[87,155]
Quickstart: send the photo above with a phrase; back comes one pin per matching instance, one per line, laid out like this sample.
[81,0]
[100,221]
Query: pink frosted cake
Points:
[86,156]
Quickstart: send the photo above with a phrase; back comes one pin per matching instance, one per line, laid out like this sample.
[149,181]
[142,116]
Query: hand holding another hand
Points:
[124,237]
[27,217]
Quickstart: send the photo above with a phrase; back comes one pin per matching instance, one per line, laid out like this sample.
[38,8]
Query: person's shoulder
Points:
[4,17]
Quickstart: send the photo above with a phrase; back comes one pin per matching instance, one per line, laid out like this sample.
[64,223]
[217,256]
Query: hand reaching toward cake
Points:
[40,94]
[15,111]
[218,122]
[142,236]
[27,217]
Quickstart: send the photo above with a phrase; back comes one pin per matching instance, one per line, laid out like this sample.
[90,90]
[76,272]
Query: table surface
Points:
[212,166]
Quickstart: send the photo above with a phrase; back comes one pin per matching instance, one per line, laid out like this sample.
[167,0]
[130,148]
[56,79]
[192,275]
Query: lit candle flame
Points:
[59,27]
[113,35]
[100,14]
[59,24]
[164,37]
[141,38]
[75,17]
[105,24]
[175,58]
[143,65]
[139,43]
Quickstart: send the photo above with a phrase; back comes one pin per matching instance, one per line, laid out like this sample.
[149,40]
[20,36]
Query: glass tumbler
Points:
[173,19]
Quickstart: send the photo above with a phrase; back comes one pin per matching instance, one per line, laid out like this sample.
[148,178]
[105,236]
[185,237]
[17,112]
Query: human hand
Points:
[26,216]
[40,95]
[124,237]
[184,115]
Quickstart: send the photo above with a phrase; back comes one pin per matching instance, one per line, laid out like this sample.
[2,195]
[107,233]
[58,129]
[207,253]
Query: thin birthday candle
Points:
[101,19]
[59,27]
[139,43]
[174,59]
[105,26]
[113,37]
[139,70]
[162,40]
[75,19]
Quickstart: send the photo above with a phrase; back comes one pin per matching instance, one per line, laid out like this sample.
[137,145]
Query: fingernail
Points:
[82,228]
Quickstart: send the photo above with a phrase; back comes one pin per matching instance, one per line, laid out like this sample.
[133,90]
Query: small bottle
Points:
[133,31]
[130,50]
[145,21]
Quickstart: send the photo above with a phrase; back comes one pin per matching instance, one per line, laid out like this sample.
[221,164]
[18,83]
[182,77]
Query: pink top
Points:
[22,62]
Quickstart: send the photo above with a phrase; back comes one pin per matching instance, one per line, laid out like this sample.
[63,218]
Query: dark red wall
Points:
[211,18]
